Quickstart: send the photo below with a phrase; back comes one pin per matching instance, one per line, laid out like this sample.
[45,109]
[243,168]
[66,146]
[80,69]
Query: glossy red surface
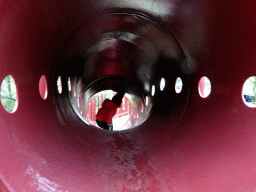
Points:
[189,144]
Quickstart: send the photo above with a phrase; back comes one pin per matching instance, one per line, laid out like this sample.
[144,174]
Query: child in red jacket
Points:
[108,111]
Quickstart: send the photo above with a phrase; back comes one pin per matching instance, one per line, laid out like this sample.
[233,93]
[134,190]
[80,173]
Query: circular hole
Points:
[9,96]
[153,90]
[74,88]
[93,104]
[204,87]
[147,100]
[59,85]
[249,92]
[178,85]
[162,84]
[78,102]
[43,89]
[69,84]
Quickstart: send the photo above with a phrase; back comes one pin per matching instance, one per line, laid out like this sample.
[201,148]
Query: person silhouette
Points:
[108,111]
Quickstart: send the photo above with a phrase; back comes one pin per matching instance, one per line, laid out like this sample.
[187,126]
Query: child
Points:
[108,111]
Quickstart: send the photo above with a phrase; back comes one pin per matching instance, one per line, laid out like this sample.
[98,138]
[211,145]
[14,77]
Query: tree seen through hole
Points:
[9,94]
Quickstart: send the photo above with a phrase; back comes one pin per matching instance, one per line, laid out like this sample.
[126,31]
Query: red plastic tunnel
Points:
[186,143]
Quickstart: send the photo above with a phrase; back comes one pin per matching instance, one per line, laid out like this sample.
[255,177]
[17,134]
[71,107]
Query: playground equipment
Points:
[187,142]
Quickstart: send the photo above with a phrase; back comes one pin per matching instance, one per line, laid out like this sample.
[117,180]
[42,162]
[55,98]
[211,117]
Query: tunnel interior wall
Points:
[194,144]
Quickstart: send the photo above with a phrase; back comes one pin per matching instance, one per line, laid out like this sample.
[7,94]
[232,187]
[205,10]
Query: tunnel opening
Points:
[133,105]
[131,47]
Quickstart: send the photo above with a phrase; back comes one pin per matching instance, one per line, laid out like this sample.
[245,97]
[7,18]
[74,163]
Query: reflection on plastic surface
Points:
[41,183]
[3,187]
[163,9]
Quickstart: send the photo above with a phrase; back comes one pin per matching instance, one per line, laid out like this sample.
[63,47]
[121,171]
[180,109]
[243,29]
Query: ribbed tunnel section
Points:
[184,141]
